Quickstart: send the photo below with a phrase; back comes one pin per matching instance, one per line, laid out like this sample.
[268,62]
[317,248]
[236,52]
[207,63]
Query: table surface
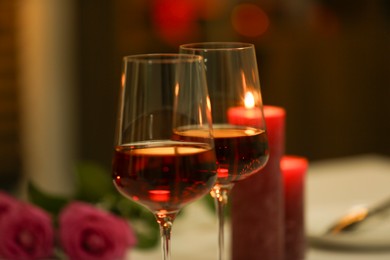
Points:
[195,232]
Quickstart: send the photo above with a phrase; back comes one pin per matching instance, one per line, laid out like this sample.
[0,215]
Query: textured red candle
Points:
[257,202]
[244,116]
[294,170]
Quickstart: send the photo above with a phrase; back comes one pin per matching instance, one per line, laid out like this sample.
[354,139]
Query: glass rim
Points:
[217,46]
[162,58]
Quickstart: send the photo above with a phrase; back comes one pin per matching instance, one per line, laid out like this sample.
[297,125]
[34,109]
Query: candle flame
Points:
[249,100]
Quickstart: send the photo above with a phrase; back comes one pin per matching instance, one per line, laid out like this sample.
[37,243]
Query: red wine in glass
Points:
[240,151]
[164,175]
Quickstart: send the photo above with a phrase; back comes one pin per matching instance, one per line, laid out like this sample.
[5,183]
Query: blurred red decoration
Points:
[176,21]
[249,20]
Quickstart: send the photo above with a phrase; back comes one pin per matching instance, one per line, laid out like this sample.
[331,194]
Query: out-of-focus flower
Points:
[26,231]
[89,233]
[7,204]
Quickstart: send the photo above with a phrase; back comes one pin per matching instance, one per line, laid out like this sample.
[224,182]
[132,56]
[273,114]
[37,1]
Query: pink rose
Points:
[89,233]
[7,204]
[26,231]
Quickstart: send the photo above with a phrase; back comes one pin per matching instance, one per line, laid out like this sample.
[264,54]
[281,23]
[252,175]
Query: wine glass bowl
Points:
[239,129]
[164,155]
[164,176]
[238,121]
[241,152]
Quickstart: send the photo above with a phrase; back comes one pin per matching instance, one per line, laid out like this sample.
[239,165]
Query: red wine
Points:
[240,151]
[164,175]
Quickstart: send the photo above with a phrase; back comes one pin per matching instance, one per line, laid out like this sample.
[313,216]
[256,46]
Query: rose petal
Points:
[89,233]
[7,204]
[26,233]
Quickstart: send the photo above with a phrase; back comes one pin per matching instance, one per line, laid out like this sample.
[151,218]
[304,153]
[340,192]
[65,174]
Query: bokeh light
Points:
[249,20]
[175,21]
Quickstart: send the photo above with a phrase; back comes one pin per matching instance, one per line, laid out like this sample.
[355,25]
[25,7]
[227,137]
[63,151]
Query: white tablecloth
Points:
[194,234]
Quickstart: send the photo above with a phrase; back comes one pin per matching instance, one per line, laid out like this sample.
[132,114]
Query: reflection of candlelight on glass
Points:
[223,173]
[159,195]
[248,114]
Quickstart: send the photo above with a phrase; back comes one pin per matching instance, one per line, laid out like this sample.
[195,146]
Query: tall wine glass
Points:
[164,154]
[238,123]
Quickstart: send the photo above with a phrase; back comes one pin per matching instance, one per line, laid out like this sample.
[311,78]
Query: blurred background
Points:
[327,62]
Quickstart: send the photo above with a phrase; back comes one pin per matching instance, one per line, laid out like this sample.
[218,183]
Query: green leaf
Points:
[142,220]
[50,203]
[93,182]
[130,209]
[147,236]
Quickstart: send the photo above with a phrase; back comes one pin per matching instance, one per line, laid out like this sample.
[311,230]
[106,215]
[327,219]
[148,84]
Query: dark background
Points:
[326,62]
[328,65]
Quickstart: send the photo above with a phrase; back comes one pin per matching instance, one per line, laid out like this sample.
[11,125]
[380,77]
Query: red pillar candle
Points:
[244,116]
[257,202]
[294,170]
[248,115]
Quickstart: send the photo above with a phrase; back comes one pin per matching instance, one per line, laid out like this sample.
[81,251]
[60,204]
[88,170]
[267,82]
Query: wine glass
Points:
[164,154]
[238,123]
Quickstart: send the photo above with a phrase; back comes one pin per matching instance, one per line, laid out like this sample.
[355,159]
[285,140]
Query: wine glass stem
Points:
[221,196]
[165,221]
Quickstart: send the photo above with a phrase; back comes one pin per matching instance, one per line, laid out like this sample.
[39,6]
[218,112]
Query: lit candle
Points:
[248,114]
[257,202]
[294,170]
